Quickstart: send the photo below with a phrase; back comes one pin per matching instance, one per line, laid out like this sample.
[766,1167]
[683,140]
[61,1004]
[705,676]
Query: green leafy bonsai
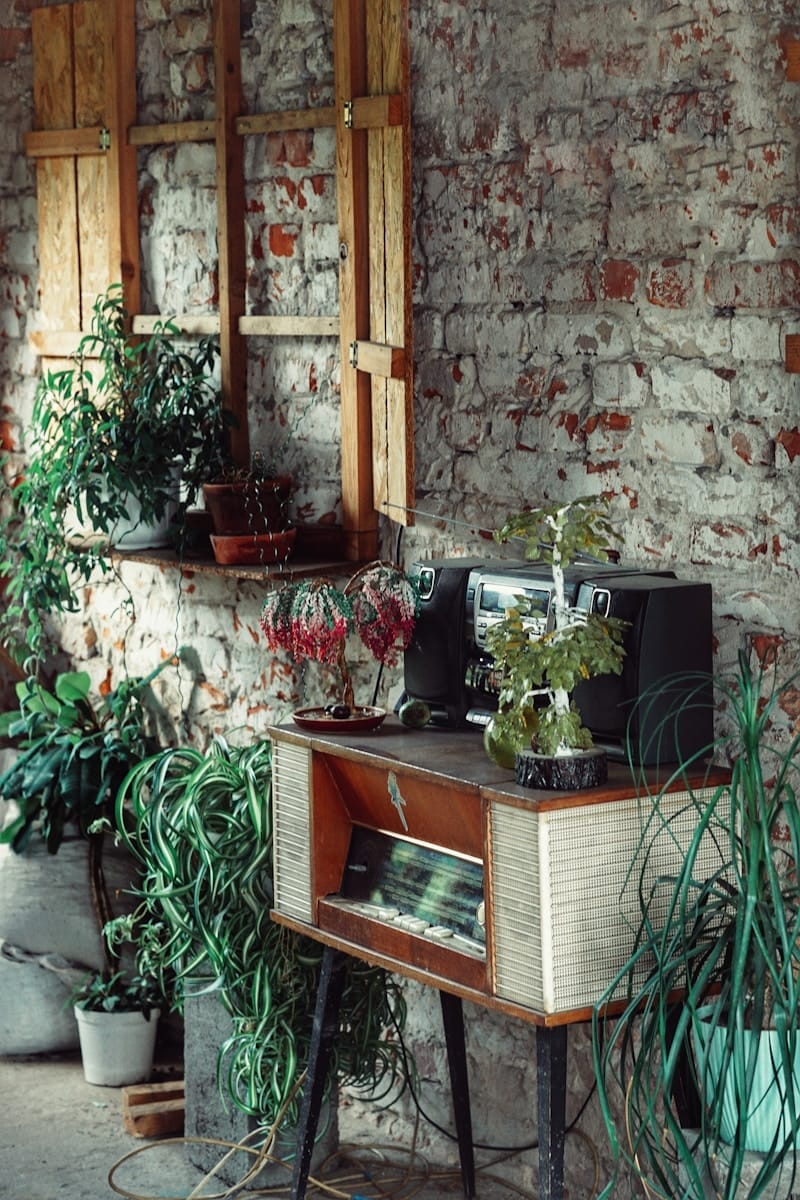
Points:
[539,673]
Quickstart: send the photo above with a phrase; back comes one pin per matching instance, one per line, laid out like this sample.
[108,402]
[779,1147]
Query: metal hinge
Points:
[105,139]
[348,114]
[354,354]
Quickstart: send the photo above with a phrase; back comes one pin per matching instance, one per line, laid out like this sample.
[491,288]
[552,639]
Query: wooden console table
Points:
[538,932]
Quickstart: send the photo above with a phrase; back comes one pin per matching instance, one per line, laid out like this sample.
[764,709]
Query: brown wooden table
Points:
[551,867]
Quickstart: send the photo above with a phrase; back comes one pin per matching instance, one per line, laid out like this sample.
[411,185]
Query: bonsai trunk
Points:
[561,622]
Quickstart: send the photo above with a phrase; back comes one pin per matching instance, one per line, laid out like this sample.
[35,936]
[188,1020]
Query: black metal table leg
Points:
[453,1019]
[551,1094]
[323,1035]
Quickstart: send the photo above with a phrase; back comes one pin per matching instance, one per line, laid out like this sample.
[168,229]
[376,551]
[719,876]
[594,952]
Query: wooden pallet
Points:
[153,1109]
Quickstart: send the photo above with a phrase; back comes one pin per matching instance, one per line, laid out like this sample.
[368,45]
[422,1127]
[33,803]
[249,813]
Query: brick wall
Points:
[606,265]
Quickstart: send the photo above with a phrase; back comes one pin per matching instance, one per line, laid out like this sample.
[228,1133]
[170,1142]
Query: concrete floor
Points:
[61,1137]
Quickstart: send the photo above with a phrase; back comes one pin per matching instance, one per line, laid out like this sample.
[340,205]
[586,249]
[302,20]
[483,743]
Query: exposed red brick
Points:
[766,647]
[281,241]
[671,285]
[618,280]
[10,42]
[790,440]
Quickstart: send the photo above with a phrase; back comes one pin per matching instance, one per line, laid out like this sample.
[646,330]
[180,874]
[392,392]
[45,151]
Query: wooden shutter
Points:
[373,175]
[84,100]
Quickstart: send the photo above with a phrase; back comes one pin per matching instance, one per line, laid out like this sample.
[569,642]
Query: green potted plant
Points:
[74,750]
[537,719]
[117,1015]
[112,440]
[249,512]
[313,619]
[710,995]
[200,824]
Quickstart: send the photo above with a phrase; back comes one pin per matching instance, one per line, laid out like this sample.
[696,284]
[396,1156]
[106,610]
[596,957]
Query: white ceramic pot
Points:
[130,533]
[116,1047]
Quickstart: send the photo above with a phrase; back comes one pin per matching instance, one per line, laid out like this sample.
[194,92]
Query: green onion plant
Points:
[201,825]
[718,942]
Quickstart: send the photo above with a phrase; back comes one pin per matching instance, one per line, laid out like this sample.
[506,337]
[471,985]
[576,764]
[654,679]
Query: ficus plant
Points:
[200,824]
[131,419]
[539,672]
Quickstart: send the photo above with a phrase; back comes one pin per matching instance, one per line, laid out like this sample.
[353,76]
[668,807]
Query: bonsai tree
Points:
[538,673]
[126,424]
[312,620]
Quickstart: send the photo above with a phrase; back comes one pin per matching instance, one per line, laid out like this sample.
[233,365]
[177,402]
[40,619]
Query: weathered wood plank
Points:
[377,112]
[370,357]
[53,92]
[64,143]
[230,222]
[294,118]
[379,358]
[359,517]
[172,132]
[122,203]
[290,326]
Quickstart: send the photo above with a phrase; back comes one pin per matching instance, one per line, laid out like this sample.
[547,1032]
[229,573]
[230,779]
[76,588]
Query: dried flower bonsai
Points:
[313,619]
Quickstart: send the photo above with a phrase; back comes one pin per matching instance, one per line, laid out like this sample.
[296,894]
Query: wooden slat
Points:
[289,326]
[295,118]
[64,143]
[390,316]
[369,356]
[53,77]
[204,326]
[153,1109]
[793,353]
[92,182]
[378,358]
[53,100]
[59,343]
[90,50]
[359,517]
[792,51]
[122,199]
[397,233]
[254,326]
[377,112]
[171,132]
[230,222]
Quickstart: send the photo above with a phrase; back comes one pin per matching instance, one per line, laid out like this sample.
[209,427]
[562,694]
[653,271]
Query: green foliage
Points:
[538,673]
[723,930]
[117,993]
[560,533]
[128,420]
[75,751]
[201,826]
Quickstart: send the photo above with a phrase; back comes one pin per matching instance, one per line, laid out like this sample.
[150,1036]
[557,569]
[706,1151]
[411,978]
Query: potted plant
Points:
[537,717]
[200,824]
[113,438]
[710,995]
[74,750]
[249,512]
[313,619]
[117,1016]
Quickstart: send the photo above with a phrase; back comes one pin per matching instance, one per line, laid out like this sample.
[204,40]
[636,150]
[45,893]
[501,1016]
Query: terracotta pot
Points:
[252,548]
[249,505]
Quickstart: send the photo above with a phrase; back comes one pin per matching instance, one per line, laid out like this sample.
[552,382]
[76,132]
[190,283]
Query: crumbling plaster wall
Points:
[606,264]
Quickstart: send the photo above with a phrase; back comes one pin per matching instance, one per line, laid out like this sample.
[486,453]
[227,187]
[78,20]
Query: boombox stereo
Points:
[667,640]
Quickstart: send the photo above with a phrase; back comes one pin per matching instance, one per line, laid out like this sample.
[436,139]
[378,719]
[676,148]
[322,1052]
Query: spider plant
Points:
[716,956]
[201,825]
